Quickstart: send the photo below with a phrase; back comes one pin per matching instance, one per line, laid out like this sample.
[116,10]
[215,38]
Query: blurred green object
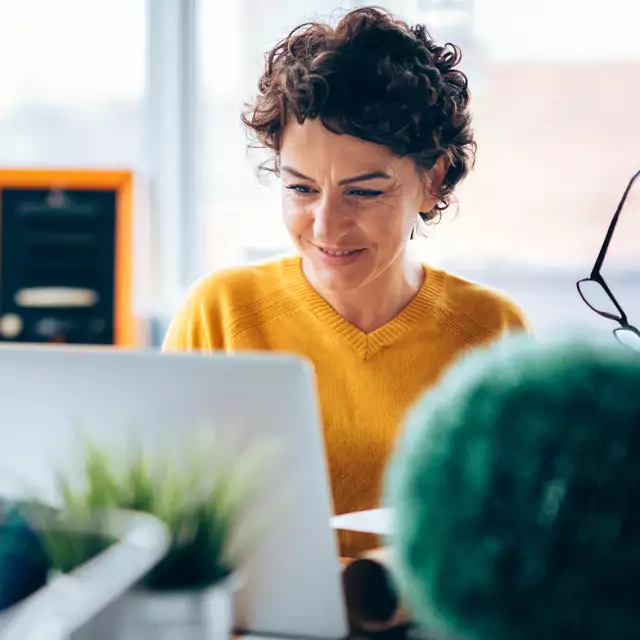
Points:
[517,491]
[24,565]
[202,499]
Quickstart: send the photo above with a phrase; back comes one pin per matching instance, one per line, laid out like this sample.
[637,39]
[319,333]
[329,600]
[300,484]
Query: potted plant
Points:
[202,494]
[107,552]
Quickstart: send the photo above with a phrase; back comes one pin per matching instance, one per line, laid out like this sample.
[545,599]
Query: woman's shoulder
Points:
[242,285]
[480,306]
[227,298]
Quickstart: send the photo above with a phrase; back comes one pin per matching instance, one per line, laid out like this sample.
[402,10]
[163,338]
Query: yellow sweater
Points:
[366,382]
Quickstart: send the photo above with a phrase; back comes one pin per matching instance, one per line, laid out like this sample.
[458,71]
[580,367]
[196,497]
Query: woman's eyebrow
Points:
[372,175]
[295,172]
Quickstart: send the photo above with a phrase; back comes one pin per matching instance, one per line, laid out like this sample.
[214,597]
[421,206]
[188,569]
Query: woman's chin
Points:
[337,276]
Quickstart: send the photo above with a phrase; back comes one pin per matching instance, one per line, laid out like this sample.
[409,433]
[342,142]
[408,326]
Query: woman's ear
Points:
[433,181]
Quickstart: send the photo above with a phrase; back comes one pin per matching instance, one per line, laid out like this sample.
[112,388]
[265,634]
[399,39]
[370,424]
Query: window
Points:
[555,107]
[556,110]
[73,90]
[73,76]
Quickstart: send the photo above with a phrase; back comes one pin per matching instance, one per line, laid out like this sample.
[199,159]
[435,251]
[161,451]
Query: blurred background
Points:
[157,86]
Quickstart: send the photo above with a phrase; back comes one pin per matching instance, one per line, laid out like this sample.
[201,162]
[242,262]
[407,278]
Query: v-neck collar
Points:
[412,317]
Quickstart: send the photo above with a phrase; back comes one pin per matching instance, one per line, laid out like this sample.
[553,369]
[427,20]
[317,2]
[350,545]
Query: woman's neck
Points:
[378,302]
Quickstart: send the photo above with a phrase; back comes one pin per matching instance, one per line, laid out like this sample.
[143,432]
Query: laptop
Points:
[293,578]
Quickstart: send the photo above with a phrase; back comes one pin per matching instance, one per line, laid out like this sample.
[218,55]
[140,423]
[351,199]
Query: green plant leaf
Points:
[200,489]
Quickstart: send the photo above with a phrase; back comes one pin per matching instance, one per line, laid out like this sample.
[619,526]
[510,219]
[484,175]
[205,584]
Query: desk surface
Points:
[398,633]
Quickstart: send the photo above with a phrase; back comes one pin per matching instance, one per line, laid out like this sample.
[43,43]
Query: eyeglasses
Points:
[597,295]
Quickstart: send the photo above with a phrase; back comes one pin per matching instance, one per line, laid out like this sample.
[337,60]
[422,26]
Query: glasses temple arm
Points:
[612,227]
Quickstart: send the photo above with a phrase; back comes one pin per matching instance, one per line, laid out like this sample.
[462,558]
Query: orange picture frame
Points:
[120,181]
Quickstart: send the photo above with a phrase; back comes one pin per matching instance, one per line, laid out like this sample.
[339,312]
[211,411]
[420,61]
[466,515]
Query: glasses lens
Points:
[629,338]
[596,297]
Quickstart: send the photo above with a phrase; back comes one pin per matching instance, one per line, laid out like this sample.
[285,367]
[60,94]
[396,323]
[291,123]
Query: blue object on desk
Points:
[24,563]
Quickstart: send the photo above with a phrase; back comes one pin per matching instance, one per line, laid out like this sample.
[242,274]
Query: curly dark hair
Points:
[374,77]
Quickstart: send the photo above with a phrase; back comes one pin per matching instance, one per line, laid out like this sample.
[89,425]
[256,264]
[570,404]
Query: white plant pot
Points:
[206,614]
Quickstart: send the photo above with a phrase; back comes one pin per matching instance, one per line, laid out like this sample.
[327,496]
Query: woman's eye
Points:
[299,188]
[304,190]
[365,193]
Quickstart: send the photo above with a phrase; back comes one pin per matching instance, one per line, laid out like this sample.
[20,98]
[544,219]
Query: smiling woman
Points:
[369,129]
[349,206]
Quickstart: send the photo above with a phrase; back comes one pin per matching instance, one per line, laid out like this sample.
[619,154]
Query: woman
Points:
[369,127]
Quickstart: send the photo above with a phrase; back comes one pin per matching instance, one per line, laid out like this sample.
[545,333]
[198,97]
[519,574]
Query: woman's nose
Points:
[331,222]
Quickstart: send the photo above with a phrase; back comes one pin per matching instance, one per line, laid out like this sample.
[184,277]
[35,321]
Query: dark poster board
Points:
[66,257]
[57,255]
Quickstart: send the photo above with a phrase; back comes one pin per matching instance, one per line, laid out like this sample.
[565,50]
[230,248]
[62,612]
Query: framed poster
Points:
[66,257]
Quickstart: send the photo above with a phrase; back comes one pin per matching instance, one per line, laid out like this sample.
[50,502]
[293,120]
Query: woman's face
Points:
[349,205]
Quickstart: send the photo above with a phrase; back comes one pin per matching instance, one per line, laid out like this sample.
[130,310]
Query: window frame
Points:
[173,155]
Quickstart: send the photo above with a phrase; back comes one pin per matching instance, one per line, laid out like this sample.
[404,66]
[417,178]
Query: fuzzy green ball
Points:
[516,486]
